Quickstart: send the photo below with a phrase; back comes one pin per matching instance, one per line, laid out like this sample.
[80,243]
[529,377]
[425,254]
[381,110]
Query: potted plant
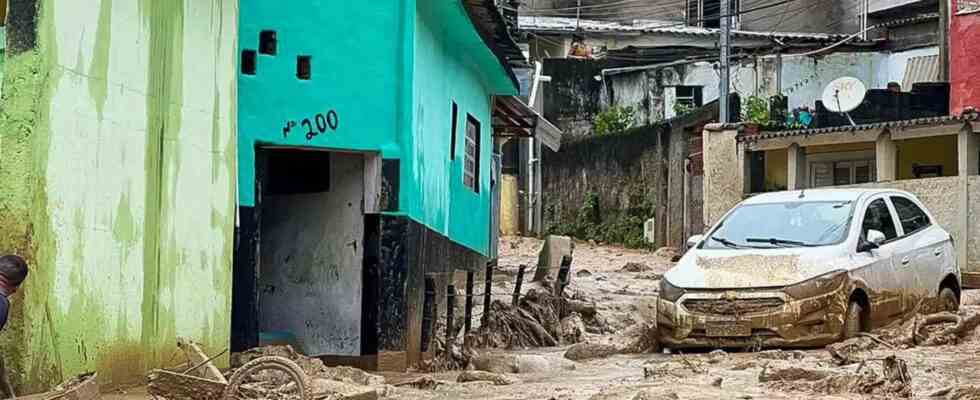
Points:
[755,114]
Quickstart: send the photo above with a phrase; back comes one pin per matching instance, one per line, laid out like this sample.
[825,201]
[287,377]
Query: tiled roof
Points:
[570,25]
[946,120]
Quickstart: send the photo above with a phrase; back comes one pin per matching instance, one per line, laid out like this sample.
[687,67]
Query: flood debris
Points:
[650,395]
[891,379]
[335,390]
[500,363]
[965,392]
[81,387]
[589,351]
[634,267]
[267,372]
[541,319]
[484,376]
[422,383]
[572,328]
[642,338]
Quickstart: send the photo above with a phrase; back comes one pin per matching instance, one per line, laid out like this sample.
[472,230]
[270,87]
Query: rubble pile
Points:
[541,320]
[892,379]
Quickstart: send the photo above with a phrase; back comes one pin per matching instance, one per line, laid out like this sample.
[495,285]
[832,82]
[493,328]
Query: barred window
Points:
[471,161]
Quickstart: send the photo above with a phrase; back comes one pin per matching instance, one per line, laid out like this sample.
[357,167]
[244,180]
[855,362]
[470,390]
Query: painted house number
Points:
[315,126]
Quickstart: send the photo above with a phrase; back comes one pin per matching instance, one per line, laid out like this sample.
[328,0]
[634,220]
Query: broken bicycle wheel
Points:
[272,378]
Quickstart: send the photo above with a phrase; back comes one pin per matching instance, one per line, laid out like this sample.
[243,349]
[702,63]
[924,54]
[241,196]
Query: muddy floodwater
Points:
[621,282]
[602,325]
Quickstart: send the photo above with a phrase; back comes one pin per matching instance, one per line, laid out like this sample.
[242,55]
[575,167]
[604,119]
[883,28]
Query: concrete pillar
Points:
[796,168]
[969,152]
[675,188]
[886,157]
[724,171]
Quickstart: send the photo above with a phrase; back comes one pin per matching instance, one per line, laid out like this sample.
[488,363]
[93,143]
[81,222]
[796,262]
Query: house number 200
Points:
[319,124]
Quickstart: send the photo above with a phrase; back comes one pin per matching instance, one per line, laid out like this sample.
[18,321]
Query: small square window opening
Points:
[303,67]
[267,43]
[248,62]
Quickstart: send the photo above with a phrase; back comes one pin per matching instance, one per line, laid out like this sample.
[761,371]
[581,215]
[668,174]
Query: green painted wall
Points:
[117,182]
[389,70]
[441,76]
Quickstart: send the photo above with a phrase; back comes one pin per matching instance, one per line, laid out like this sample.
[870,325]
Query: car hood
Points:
[753,268]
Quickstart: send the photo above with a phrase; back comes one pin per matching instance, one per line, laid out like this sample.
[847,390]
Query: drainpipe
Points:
[944,40]
[532,159]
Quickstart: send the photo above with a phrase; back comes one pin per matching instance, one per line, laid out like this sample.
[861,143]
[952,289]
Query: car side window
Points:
[910,215]
[878,218]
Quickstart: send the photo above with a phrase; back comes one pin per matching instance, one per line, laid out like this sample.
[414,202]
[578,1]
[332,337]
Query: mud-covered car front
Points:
[809,313]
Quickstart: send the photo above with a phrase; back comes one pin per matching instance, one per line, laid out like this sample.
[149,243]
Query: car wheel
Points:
[949,300]
[852,323]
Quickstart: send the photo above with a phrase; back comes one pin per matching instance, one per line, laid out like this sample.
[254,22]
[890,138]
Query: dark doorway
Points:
[305,261]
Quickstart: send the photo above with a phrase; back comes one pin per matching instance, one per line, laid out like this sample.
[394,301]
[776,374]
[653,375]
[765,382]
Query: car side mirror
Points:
[694,240]
[873,241]
[876,237]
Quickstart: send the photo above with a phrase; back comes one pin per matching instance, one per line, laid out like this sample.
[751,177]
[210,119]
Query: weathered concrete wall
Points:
[621,172]
[117,183]
[804,79]
[723,166]
[311,276]
[573,97]
[964,30]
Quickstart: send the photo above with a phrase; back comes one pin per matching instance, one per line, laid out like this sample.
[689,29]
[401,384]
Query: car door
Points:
[878,269]
[923,252]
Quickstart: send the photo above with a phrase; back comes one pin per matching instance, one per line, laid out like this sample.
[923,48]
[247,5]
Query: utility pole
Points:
[725,44]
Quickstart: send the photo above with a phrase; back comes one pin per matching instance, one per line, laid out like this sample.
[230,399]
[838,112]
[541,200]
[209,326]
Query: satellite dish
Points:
[843,95]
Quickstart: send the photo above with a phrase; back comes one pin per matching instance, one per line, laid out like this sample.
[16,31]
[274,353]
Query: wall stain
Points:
[99,67]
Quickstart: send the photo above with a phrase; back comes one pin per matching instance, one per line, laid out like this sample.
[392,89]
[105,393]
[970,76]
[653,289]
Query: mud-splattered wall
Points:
[311,276]
[117,183]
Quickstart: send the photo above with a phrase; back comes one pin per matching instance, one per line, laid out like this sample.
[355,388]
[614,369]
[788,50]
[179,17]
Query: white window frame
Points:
[841,157]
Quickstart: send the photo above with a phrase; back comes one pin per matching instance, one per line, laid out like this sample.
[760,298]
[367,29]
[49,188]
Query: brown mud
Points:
[619,358]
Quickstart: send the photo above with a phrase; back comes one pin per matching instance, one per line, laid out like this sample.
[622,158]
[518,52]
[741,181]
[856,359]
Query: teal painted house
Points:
[365,136]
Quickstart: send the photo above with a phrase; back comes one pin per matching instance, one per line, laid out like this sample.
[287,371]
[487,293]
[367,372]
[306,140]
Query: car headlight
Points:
[822,284]
[669,292]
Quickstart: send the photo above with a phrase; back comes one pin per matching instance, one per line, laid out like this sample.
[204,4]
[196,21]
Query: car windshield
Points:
[773,225]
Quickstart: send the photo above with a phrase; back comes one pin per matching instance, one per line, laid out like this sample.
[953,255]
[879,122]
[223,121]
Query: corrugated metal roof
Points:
[921,69]
[571,25]
[946,120]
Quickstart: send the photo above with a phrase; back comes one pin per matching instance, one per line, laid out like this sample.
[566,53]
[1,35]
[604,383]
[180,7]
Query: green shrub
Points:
[613,120]
[756,110]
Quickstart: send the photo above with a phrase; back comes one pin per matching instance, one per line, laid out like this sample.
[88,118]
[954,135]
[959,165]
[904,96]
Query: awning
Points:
[513,118]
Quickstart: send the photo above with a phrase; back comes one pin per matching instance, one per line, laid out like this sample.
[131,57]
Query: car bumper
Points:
[808,322]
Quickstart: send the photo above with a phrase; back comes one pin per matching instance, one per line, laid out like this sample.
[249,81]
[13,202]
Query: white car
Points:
[807,268]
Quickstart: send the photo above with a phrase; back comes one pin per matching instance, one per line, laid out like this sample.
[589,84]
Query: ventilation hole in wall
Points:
[267,42]
[303,67]
[248,62]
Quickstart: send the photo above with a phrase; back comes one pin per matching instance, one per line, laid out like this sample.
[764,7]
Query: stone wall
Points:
[619,172]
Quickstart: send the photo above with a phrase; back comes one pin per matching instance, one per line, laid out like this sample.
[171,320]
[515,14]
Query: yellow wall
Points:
[776,167]
[939,150]
[839,148]
[509,208]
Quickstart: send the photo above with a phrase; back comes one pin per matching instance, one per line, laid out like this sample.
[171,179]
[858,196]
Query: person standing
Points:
[13,272]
